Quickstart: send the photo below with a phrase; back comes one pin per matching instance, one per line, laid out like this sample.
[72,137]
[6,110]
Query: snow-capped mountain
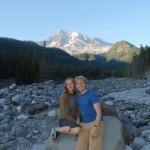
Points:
[75,43]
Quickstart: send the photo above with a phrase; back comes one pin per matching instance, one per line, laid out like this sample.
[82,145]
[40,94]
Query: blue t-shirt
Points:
[86,102]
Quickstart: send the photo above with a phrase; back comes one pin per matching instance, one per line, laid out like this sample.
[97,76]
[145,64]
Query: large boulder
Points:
[112,140]
[147,147]
[113,137]
[18,144]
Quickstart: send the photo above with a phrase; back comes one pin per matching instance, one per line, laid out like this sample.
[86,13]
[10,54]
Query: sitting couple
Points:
[80,115]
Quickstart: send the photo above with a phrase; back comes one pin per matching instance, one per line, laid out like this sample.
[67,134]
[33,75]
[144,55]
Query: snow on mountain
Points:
[75,43]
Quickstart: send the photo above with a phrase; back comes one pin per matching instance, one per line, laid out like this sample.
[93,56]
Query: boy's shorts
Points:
[65,122]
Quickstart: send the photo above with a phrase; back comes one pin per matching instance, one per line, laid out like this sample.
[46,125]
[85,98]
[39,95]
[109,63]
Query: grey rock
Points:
[20,131]
[148,91]
[108,110]
[22,117]
[109,103]
[28,136]
[2,101]
[146,134]
[16,99]
[148,138]
[36,108]
[128,147]
[19,144]
[38,147]
[52,113]
[146,115]
[112,139]
[138,143]
[19,109]
[129,133]
[147,147]
[12,87]
[2,116]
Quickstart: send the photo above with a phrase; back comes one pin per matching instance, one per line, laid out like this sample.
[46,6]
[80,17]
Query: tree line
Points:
[140,63]
[28,62]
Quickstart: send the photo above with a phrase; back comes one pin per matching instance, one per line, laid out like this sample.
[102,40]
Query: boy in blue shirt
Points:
[90,137]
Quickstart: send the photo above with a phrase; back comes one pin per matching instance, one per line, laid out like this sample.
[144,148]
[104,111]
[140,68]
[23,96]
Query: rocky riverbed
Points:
[28,112]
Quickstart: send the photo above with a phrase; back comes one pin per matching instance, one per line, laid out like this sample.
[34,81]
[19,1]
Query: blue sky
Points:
[111,20]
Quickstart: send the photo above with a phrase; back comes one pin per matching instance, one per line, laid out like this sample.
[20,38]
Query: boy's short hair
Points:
[81,78]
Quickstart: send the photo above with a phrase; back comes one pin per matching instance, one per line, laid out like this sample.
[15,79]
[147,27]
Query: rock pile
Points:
[28,112]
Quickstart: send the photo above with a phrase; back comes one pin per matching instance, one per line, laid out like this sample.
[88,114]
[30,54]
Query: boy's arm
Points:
[97,108]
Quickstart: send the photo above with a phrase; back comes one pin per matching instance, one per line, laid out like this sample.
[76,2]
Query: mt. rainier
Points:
[75,43]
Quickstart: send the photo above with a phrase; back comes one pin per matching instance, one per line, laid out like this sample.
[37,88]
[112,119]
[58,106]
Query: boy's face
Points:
[80,85]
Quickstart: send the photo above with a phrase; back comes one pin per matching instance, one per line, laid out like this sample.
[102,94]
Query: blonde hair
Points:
[66,91]
[84,79]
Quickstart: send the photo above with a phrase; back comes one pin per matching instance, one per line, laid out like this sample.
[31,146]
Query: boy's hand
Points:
[94,132]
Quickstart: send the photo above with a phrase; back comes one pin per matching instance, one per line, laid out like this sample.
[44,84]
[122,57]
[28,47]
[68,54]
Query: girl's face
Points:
[80,85]
[70,85]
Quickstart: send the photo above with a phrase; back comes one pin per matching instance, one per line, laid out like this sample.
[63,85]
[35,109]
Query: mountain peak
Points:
[123,51]
[123,42]
[77,43]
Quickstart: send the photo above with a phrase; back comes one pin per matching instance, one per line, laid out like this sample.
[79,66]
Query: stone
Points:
[52,113]
[141,122]
[4,91]
[19,109]
[129,133]
[146,134]
[147,147]
[148,91]
[137,95]
[38,147]
[48,104]
[2,116]
[112,140]
[6,108]
[148,138]
[35,131]
[108,110]
[146,115]
[20,131]
[16,99]
[18,144]
[36,108]
[12,87]
[22,117]
[138,143]
[109,103]
[2,101]
[33,102]
[128,147]
[113,136]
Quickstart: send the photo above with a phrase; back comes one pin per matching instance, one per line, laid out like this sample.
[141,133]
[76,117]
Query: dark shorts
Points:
[65,122]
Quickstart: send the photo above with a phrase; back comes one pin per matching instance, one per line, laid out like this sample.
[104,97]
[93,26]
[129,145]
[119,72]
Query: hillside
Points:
[122,51]
[51,54]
